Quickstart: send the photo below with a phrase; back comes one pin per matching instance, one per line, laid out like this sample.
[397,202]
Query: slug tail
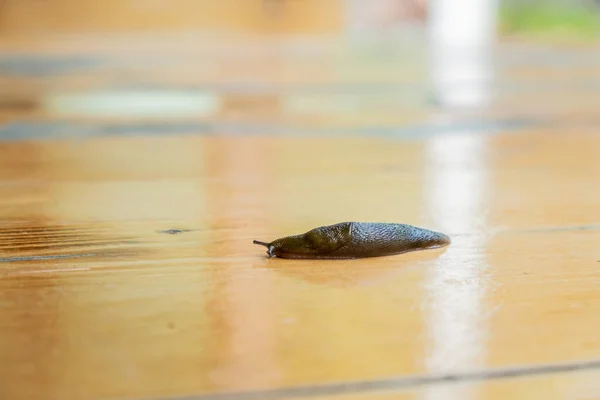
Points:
[445,239]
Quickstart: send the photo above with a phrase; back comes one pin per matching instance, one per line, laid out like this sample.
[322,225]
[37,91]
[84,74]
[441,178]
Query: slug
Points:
[349,240]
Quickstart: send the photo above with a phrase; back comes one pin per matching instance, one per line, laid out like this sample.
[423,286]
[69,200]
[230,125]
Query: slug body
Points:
[348,240]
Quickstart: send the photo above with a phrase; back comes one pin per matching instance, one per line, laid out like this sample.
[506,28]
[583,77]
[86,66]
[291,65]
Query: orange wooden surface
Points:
[127,268]
[139,313]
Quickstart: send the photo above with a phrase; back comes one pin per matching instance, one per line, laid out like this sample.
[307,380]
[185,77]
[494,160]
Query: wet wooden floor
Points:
[127,269]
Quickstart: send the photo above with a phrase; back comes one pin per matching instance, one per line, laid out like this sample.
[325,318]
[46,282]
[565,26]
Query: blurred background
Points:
[275,66]
[517,17]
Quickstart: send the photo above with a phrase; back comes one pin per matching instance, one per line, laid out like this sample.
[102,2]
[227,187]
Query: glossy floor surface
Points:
[127,269]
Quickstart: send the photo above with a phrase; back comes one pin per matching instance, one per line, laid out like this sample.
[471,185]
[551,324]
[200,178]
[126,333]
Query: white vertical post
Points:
[462,35]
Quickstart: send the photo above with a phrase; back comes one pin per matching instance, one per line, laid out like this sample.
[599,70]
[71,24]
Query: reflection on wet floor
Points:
[458,172]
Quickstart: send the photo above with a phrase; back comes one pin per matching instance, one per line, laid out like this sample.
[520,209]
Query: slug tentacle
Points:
[348,240]
[268,246]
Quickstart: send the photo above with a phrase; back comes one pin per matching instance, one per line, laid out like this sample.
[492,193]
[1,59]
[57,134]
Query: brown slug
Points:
[348,240]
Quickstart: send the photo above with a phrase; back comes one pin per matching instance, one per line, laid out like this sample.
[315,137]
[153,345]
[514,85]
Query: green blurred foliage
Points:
[544,18]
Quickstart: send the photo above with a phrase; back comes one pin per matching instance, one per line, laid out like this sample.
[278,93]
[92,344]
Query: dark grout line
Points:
[48,257]
[28,130]
[568,228]
[592,227]
[400,383]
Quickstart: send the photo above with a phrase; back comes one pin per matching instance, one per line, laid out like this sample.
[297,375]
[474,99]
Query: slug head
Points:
[317,241]
[286,245]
